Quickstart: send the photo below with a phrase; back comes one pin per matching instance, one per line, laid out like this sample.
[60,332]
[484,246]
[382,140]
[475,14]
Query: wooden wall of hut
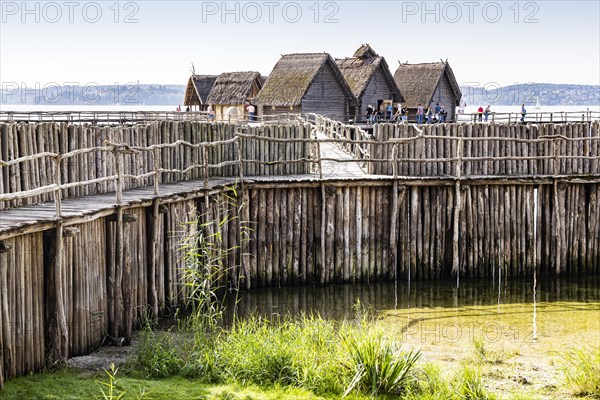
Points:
[19,140]
[377,90]
[557,150]
[445,97]
[325,96]
[274,111]
[299,233]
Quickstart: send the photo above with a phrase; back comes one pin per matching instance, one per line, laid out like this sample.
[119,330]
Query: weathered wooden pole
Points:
[394,217]
[457,206]
[245,218]
[61,337]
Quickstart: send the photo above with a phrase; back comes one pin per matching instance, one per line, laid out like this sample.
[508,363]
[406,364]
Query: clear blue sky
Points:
[104,42]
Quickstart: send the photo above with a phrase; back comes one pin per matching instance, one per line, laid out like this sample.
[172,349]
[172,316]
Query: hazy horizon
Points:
[486,42]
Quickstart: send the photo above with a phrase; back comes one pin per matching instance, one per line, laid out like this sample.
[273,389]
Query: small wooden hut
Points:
[232,91]
[428,84]
[197,90]
[307,83]
[370,79]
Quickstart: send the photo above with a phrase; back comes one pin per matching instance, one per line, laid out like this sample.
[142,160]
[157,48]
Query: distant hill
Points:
[129,94]
[164,95]
[549,94]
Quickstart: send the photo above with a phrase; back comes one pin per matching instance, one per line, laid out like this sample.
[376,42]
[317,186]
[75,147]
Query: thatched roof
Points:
[365,51]
[418,82]
[198,88]
[359,69]
[234,87]
[293,75]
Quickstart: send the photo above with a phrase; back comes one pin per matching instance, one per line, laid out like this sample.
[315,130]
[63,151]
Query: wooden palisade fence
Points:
[81,270]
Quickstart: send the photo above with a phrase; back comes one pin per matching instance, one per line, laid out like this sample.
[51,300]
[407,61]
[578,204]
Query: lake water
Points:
[532,321]
[137,107]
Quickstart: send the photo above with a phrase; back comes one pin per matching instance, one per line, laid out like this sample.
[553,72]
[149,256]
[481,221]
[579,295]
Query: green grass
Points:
[581,367]
[73,385]
[379,366]
[468,384]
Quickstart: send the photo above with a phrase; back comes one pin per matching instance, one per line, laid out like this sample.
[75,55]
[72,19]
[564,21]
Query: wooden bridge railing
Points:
[27,139]
[118,176]
[531,117]
[487,150]
[136,117]
[455,152]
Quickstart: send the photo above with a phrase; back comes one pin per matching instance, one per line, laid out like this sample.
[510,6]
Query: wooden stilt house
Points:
[307,83]
[197,90]
[232,91]
[370,79]
[428,84]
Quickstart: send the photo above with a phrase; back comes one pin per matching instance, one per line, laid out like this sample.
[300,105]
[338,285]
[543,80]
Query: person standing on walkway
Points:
[369,114]
[420,114]
[251,112]
[487,113]
[429,115]
[523,113]
[480,113]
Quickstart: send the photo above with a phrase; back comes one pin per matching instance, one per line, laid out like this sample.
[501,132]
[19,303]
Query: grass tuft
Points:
[581,367]
[379,366]
[468,384]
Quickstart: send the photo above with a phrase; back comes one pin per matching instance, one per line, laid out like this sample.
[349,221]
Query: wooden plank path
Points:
[342,168]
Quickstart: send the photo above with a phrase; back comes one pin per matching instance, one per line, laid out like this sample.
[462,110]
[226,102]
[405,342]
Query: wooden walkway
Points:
[344,166]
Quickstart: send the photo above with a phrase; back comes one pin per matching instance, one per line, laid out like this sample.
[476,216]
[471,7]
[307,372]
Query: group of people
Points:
[386,113]
[210,114]
[483,115]
[432,115]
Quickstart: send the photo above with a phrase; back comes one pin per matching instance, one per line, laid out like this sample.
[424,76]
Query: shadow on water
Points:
[473,296]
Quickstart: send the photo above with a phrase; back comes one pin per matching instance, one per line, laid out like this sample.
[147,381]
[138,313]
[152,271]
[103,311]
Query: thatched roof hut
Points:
[369,78]
[235,88]
[197,90]
[307,83]
[231,91]
[429,84]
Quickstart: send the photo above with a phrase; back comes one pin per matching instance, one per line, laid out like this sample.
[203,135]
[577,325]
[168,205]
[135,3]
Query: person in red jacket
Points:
[480,112]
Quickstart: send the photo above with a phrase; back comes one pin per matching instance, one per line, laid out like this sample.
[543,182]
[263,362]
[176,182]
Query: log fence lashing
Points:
[92,167]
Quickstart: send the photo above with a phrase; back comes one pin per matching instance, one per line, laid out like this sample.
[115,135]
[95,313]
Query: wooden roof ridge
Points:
[368,66]
[365,51]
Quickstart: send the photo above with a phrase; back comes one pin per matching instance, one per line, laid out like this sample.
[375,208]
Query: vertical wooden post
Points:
[119,250]
[154,259]
[394,233]
[61,338]
[156,159]
[457,206]
[206,170]
[558,240]
[245,218]
[322,278]
[319,162]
